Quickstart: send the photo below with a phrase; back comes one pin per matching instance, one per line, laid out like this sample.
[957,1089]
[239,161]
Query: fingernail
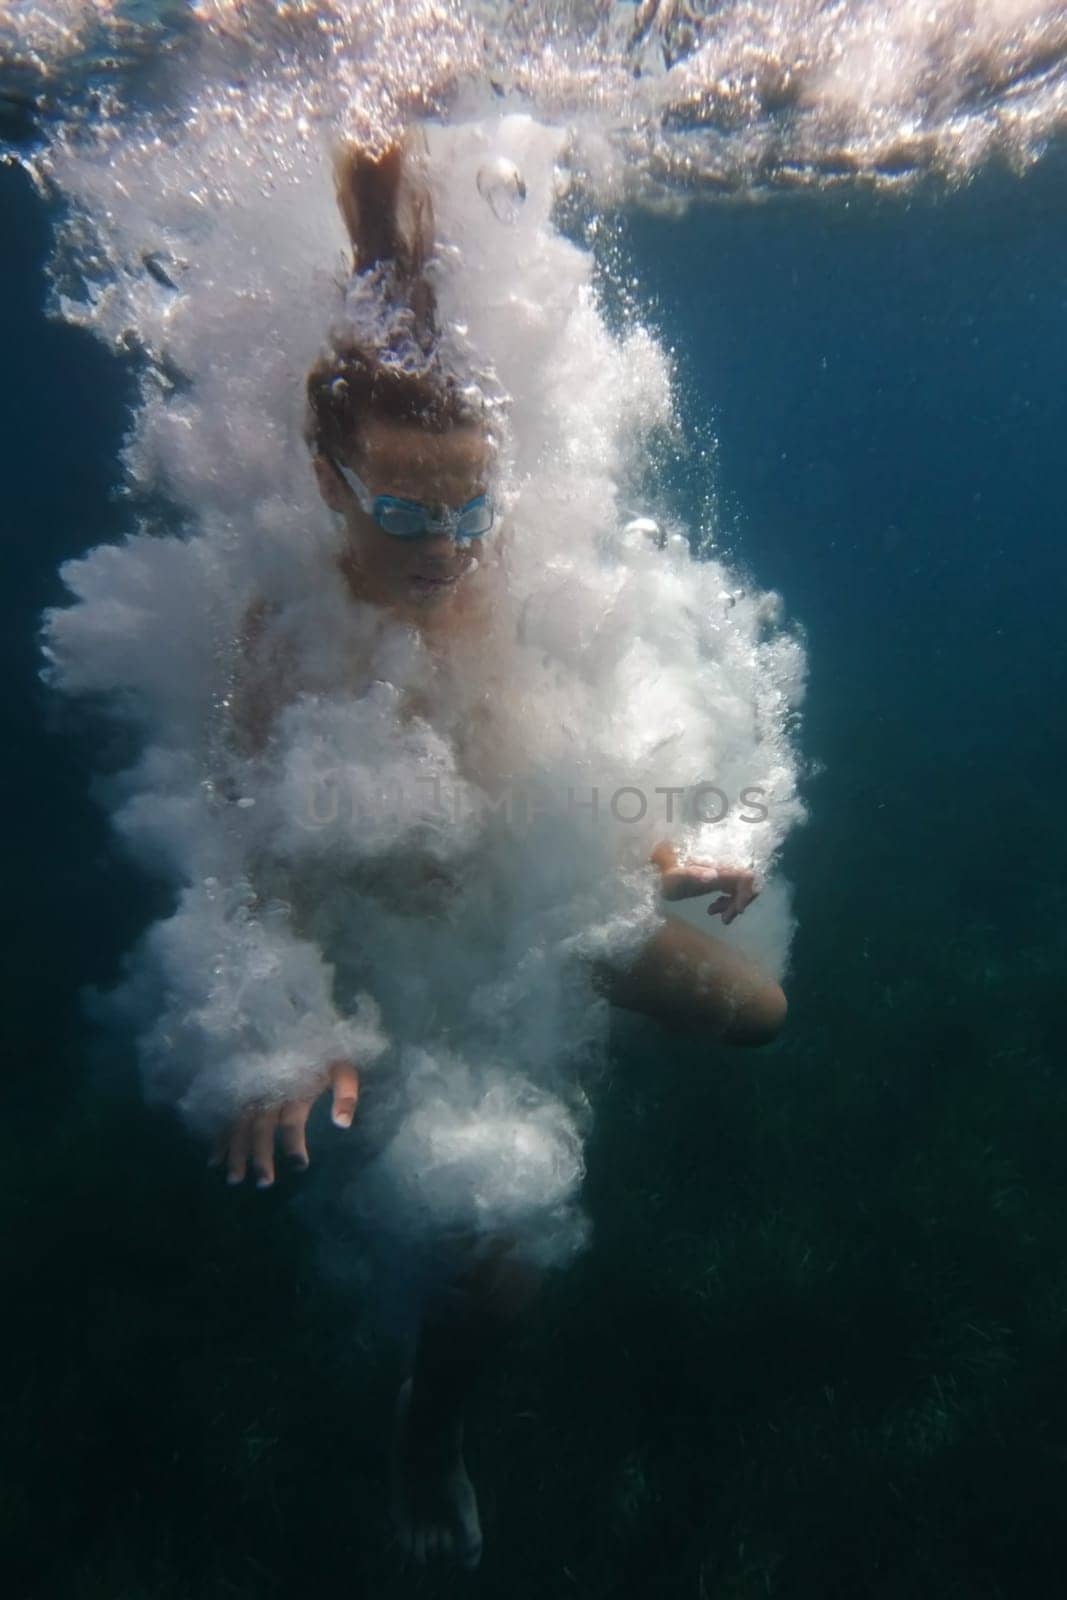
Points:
[232,1178]
[264,1183]
[342,1119]
[298,1163]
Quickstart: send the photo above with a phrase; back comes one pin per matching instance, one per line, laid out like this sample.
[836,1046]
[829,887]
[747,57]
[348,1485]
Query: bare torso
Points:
[460,692]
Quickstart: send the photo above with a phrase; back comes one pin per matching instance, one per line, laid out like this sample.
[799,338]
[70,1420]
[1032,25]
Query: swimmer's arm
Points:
[257,691]
[682,880]
[260,684]
[260,691]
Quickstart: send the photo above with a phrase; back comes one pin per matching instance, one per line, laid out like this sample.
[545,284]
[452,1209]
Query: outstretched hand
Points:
[253,1136]
[685,880]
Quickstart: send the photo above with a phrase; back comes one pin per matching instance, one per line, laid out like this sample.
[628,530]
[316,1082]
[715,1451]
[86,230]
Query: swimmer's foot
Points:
[434,1507]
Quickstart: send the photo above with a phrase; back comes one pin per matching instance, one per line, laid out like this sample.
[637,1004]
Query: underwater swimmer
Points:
[404,457]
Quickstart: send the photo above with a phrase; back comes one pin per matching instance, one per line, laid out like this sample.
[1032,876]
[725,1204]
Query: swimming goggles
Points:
[411,519]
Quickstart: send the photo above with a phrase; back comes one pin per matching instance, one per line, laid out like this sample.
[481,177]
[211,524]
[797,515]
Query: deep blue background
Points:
[886,382]
[69,905]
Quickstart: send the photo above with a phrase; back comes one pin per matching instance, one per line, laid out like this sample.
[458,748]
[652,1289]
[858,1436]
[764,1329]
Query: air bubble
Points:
[641,528]
[503,188]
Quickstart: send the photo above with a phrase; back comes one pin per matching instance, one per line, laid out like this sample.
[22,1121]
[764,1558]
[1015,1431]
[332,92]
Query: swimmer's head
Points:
[404,460]
[381,401]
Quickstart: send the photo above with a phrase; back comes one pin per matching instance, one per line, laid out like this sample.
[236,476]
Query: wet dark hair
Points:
[388,211]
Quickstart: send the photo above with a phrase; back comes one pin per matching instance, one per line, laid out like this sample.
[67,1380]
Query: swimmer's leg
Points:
[686,979]
[463,1329]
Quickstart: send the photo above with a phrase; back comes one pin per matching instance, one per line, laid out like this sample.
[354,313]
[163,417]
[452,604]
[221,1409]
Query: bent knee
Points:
[761,1018]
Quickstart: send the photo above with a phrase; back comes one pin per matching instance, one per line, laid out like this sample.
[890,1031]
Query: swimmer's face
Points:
[440,469]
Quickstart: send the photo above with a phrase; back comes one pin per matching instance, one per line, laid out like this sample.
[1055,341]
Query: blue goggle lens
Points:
[475,519]
[407,520]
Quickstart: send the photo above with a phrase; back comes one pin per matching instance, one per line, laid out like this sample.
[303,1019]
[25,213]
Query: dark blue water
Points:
[818,1348]
[62,413]
[886,384]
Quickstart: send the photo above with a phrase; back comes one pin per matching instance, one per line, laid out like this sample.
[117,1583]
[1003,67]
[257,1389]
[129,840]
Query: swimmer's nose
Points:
[438,546]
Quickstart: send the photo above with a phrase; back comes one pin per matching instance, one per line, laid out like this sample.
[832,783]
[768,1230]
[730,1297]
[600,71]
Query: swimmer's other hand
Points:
[252,1137]
[682,880]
